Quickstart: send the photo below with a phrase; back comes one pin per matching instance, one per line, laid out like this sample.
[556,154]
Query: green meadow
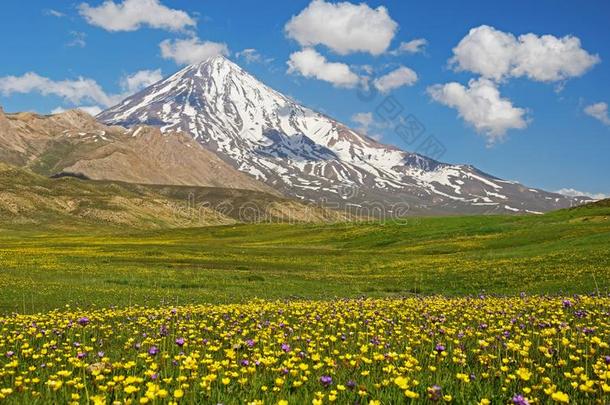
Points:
[566,251]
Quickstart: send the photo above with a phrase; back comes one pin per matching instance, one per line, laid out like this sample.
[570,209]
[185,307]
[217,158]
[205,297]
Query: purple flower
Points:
[326,380]
[250,343]
[439,348]
[285,347]
[180,342]
[567,303]
[81,355]
[245,363]
[435,393]
[10,354]
[83,321]
[520,400]
[606,359]
[101,354]
[154,350]
[351,384]
[154,376]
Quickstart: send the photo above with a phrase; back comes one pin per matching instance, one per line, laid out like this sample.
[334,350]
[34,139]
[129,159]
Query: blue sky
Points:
[552,131]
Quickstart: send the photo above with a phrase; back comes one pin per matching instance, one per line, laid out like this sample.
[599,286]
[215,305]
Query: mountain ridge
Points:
[310,156]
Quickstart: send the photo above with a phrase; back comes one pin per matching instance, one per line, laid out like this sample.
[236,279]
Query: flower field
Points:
[483,350]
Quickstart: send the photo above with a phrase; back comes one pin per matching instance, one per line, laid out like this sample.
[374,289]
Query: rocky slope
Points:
[74,142]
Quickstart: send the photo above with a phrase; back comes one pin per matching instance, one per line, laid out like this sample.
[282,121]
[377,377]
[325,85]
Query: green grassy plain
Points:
[566,251]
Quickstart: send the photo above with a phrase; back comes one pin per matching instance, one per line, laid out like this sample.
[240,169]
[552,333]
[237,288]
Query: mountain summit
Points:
[308,155]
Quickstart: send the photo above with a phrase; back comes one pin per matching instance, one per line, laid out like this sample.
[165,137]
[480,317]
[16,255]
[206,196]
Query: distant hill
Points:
[29,199]
[74,143]
[596,204]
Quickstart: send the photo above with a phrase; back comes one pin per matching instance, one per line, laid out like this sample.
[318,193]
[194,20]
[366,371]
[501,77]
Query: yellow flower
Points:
[178,394]
[402,382]
[411,394]
[560,397]
[524,374]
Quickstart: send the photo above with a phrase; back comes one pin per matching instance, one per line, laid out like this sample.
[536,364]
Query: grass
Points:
[566,251]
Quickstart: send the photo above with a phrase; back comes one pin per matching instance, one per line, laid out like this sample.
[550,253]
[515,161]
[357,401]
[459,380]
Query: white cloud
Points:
[250,55]
[131,15]
[343,27]
[78,39]
[481,105]
[598,111]
[415,46]
[74,91]
[192,50]
[499,55]
[92,110]
[570,192]
[310,63]
[403,76]
[54,13]
[79,90]
[140,80]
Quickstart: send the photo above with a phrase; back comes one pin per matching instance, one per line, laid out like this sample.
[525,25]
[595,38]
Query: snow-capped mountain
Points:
[308,155]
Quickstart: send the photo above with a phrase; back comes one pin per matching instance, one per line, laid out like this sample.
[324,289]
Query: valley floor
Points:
[566,251]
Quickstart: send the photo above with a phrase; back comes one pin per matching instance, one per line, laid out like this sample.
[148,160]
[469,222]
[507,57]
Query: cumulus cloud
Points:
[343,27]
[92,110]
[77,91]
[570,192]
[599,111]
[499,55]
[131,15]
[250,55]
[481,105]
[309,63]
[192,50]
[415,46]
[403,76]
[140,80]
[74,91]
